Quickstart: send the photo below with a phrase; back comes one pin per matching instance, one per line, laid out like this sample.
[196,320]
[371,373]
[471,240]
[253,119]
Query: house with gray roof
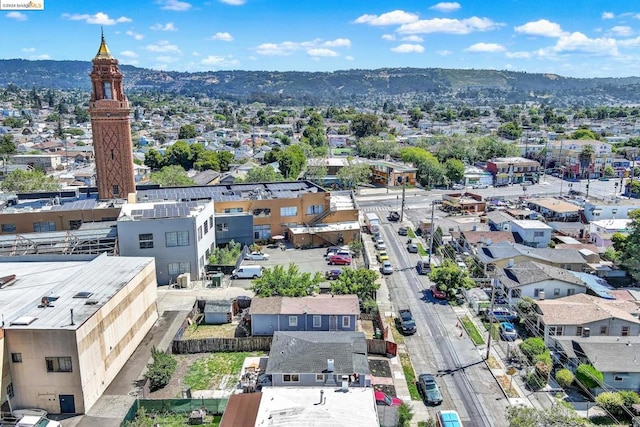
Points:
[313,314]
[616,357]
[300,358]
[504,253]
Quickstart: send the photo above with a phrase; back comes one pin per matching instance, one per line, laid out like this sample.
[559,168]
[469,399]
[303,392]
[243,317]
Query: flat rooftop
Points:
[83,284]
[160,210]
[54,204]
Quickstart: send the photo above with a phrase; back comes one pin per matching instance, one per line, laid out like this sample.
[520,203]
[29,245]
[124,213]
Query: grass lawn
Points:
[472,330]
[411,233]
[398,338]
[212,369]
[421,250]
[410,376]
[176,420]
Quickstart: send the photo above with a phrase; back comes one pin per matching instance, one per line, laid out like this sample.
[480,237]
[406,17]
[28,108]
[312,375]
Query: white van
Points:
[247,272]
[36,421]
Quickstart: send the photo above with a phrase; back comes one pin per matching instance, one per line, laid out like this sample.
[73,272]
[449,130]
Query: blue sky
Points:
[579,38]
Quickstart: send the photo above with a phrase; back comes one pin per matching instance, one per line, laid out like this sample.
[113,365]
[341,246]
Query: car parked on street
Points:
[508,331]
[386,268]
[339,260]
[332,274]
[429,389]
[412,248]
[380,245]
[403,231]
[382,256]
[437,293]
[256,256]
[457,187]
[501,315]
[385,399]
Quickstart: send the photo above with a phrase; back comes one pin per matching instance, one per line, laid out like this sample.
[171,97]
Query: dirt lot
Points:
[227,330]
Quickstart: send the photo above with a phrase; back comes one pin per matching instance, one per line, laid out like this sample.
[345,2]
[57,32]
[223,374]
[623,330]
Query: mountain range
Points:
[340,87]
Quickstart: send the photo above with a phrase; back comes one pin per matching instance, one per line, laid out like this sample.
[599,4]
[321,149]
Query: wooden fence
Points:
[212,345]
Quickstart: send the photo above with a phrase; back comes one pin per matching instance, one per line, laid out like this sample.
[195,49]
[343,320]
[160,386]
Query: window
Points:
[291,378]
[571,292]
[556,330]
[293,321]
[145,241]
[8,228]
[603,330]
[222,226]
[58,364]
[346,321]
[536,292]
[206,227]
[289,211]
[115,189]
[315,209]
[10,392]
[177,238]
[618,378]
[538,233]
[16,357]
[233,210]
[75,224]
[262,213]
[319,378]
[625,331]
[106,90]
[317,321]
[175,268]
[199,233]
[211,222]
[39,227]
[262,232]
[556,292]
[579,331]
[614,211]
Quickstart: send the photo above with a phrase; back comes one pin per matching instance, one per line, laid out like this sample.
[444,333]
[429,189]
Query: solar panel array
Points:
[165,210]
[75,205]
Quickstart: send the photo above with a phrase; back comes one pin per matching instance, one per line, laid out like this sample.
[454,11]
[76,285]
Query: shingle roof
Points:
[581,309]
[607,354]
[528,272]
[308,352]
[318,304]
[505,250]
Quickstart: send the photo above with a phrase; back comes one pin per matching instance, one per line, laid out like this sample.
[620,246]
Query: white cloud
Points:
[322,52]
[166,27]
[485,48]
[225,37]
[288,48]
[446,6]
[128,54]
[542,27]
[163,46]
[135,35]
[408,48]
[607,15]
[338,43]
[635,42]
[396,17]
[349,58]
[388,37]
[621,31]
[99,18]
[18,16]
[519,55]
[194,53]
[233,2]
[449,26]
[579,43]
[177,5]
[413,38]
[444,52]
[29,49]
[219,61]
[167,59]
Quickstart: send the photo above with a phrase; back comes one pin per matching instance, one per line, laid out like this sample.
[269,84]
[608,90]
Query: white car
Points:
[256,256]
[380,245]
[386,268]
[457,187]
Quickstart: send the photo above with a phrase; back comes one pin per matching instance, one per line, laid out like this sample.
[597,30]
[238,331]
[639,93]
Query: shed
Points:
[218,312]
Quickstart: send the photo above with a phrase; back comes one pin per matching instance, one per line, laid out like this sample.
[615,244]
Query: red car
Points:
[385,399]
[437,293]
[340,260]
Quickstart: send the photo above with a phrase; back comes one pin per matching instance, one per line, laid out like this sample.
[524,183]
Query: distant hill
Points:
[347,86]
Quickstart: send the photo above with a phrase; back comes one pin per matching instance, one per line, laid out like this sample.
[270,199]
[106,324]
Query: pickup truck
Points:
[407,324]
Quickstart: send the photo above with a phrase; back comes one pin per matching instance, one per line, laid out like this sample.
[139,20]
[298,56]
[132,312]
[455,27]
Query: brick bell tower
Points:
[109,110]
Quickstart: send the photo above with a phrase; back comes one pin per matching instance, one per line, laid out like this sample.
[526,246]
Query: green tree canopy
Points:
[7,145]
[363,125]
[20,181]
[171,176]
[558,416]
[489,148]
[353,174]
[629,247]
[187,132]
[153,159]
[454,170]
[361,282]
[510,131]
[290,282]
[262,174]
[291,160]
[374,147]
[589,376]
[179,154]
[450,278]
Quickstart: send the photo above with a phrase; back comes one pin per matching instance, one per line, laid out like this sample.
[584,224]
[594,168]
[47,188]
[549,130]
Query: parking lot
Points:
[307,260]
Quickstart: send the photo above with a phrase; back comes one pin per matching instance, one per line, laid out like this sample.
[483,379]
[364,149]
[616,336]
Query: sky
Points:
[574,38]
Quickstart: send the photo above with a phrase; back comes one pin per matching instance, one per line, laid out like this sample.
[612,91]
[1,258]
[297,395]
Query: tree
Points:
[13,122]
[510,131]
[7,145]
[415,115]
[564,377]
[489,148]
[609,171]
[450,278]
[159,371]
[361,282]
[589,376]
[353,174]
[291,160]
[263,174]
[179,154]
[315,172]
[153,159]
[171,176]
[207,160]
[454,170]
[291,282]
[612,402]
[584,134]
[21,181]
[224,159]
[373,147]
[187,132]
[629,247]
[363,125]
[586,158]
[532,347]
[558,416]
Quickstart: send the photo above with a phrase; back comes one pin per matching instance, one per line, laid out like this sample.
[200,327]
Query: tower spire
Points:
[103,51]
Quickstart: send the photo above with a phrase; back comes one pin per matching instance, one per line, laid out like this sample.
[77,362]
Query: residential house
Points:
[312,313]
[499,220]
[616,357]
[602,231]
[577,230]
[307,359]
[567,153]
[531,232]
[469,241]
[556,209]
[206,177]
[46,162]
[584,315]
[513,170]
[618,209]
[538,281]
[503,253]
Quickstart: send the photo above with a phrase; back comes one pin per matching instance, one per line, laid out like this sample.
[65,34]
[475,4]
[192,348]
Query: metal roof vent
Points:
[23,321]
[83,294]
[91,302]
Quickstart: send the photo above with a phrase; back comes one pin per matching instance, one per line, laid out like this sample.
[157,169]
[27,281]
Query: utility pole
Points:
[433,205]
[493,300]
[633,170]
[404,185]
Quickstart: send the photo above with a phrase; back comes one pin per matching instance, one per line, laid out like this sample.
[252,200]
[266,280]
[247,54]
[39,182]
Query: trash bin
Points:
[216,280]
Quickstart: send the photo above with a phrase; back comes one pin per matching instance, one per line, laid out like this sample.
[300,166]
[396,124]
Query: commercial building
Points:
[392,174]
[69,326]
[513,170]
[567,153]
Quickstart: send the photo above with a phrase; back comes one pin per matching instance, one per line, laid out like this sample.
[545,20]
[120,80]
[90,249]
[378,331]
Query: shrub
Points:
[589,376]
[159,371]
[629,397]
[564,377]
[405,415]
[543,370]
[532,347]
[544,358]
[611,402]
[534,380]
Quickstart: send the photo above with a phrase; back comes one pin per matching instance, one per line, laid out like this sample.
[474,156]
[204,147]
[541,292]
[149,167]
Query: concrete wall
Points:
[239,228]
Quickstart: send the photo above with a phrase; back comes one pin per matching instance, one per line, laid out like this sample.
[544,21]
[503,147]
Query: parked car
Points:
[403,231]
[437,293]
[393,216]
[429,389]
[380,245]
[508,331]
[385,399]
[386,267]
[332,274]
[339,260]
[256,256]
[457,187]
[604,178]
[382,256]
[412,248]
[480,186]
[527,183]
[501,315]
